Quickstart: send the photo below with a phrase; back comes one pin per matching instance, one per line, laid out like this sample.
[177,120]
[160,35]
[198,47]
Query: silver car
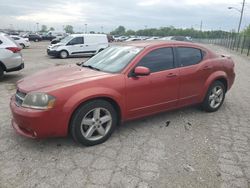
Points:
[11,58]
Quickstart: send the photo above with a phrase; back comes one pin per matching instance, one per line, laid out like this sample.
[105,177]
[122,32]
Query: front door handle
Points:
[171,75]
[86,45]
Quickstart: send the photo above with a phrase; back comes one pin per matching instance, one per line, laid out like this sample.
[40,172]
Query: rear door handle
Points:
[171,75]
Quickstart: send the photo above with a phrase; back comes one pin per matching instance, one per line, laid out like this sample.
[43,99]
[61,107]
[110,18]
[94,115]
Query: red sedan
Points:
[120,83]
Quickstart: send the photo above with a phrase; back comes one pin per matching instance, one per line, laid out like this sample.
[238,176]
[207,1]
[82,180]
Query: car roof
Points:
[155,43]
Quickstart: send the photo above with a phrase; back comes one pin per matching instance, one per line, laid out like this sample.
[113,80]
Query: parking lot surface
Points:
[183,148]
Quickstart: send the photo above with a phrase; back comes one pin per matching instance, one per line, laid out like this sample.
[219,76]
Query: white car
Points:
[23,42]
[10,55]
[153,38]
[133,39]
[78,44]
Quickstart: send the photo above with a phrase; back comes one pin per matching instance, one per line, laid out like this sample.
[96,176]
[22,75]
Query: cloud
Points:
[133,14]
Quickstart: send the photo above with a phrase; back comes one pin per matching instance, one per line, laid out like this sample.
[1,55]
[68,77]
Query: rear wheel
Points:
[214,97]
[63,54]
[93,122]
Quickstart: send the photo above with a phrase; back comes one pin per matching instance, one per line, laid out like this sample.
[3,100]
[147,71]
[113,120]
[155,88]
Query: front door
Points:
[157,91]
[76,46]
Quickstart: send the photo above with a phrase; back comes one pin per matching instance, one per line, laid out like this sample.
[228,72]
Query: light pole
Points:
[241,13]
[86,25]
[102,29]
[37,26]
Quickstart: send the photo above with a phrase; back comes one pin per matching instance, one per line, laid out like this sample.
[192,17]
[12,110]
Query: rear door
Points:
[194,71]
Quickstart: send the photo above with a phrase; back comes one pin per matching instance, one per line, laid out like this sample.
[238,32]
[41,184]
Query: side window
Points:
[77,40]
[189,56]
[158,60]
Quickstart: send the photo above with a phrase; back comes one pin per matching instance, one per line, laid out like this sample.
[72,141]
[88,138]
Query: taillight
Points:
[14,49]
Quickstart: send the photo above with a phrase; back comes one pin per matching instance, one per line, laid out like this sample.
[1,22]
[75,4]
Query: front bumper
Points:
[33,123]
[52,52]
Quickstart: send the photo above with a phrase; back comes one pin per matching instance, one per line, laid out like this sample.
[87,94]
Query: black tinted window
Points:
[77,40]
[158,60]
[189,56]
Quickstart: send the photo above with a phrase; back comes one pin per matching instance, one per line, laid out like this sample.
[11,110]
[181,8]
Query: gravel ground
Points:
[183,148]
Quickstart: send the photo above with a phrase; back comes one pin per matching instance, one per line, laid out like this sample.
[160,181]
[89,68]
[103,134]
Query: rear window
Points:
[189,56]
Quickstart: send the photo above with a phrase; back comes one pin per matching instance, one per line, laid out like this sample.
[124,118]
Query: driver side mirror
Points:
[141,71]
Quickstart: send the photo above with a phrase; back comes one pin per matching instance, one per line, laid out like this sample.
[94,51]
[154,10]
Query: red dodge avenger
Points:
[120,83]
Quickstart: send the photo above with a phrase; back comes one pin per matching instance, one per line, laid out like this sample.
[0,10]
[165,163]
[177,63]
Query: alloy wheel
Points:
[96,124]
[216,96]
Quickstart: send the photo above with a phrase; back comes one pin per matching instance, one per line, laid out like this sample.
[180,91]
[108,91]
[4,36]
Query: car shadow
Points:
[11,78]
[126,127]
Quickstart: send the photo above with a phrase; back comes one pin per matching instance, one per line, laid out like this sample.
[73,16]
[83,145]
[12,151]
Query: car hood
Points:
[60,76]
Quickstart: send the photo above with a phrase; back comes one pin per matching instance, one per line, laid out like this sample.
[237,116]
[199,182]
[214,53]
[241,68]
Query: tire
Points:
[213,99]
[63,54]
[22,45]
[97,129]
[1,72]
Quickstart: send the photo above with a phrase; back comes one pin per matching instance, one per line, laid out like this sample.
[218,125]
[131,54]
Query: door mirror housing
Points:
[141,71]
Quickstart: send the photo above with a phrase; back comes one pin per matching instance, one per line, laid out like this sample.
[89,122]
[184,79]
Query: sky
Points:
[106,15]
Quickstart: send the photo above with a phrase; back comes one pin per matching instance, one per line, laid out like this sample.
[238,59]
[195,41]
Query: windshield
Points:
[66,39]
[113,59]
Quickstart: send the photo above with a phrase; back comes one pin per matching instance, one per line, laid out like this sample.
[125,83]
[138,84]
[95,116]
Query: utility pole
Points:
[102,29]
[201,26]
[241,15]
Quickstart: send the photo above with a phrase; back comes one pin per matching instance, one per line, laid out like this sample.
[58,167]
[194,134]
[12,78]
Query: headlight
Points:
[40,101]
[54,47]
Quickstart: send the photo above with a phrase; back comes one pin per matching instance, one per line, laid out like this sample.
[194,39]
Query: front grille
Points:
[19,97]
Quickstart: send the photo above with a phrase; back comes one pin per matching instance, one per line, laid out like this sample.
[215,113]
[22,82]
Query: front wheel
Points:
[63,54]
[93,122]
[214,97]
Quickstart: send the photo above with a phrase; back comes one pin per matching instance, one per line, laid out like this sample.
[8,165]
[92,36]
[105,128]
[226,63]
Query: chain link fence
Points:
[239,43]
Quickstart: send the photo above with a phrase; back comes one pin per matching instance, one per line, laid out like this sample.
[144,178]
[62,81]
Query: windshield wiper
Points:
[89,66]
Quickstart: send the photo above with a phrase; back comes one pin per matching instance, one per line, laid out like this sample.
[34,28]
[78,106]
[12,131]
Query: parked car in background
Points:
[177,38]
[153,38]
[57,39]
[133,39]
[121,83]
[121,38]
[10,55]
[34,37]
[51,35]
[23,42]
[78,44]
